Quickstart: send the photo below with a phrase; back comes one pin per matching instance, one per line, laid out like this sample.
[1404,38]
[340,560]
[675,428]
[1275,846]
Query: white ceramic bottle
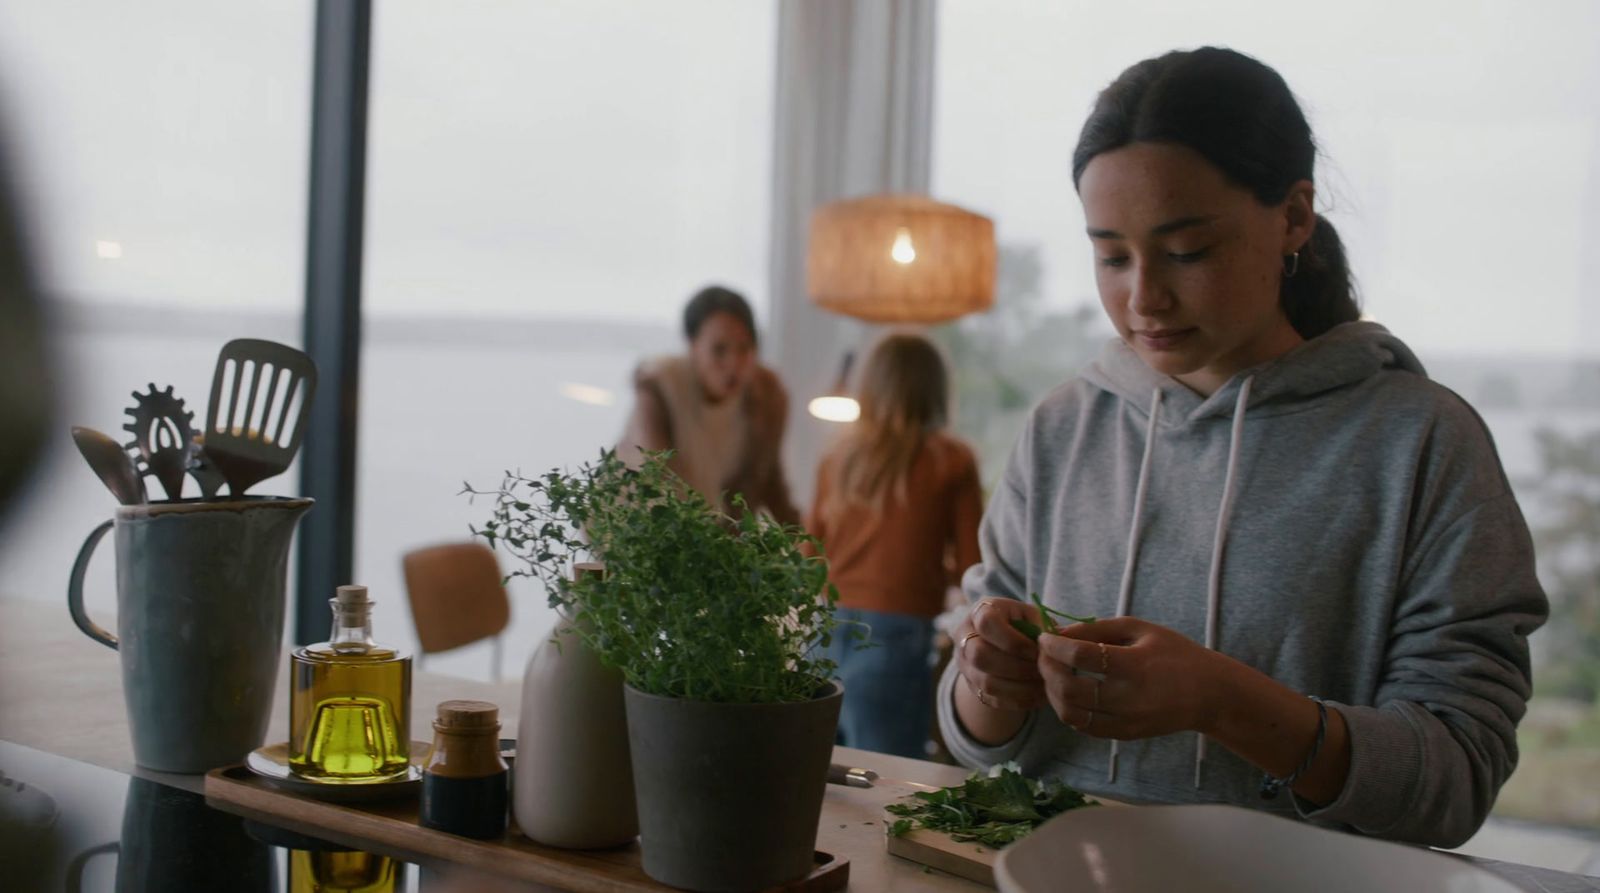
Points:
[573,779]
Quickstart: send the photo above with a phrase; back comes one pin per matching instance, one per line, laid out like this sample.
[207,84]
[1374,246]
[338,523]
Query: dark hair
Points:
[1239,115]
[714,299]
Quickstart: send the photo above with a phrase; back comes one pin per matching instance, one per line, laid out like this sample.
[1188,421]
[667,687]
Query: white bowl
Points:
[1221,848]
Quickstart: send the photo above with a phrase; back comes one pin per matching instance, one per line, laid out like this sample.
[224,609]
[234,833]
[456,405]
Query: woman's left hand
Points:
[1128,678]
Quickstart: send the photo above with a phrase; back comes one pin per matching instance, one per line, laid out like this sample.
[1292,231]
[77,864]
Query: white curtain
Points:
[854,116]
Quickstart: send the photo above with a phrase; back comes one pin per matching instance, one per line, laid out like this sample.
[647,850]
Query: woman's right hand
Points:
[999,663]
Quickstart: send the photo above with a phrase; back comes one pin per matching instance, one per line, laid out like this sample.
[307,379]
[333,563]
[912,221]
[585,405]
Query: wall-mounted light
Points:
[835,409]
[837,405]
[587,393]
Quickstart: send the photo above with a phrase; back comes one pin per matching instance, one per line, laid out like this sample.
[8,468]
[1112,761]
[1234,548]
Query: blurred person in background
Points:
[717,408]
[897,509]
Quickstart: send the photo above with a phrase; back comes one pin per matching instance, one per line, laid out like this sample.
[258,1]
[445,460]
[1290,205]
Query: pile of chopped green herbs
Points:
[1048,615]
[994,810]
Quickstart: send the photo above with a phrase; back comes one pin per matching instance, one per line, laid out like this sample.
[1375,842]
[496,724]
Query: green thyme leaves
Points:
[991,811]
[695,602]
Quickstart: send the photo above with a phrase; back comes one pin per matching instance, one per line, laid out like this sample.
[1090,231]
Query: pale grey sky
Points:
[601,159]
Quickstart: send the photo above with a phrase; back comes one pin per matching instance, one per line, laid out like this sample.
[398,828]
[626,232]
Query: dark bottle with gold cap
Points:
[464,786]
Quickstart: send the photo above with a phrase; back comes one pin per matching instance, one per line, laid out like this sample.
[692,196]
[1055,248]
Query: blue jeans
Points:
[888,687]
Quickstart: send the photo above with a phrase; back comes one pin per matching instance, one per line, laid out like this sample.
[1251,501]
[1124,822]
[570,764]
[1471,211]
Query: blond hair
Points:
[904,392]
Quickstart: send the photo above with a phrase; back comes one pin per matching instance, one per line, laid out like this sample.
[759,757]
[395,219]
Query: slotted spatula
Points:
[260,399]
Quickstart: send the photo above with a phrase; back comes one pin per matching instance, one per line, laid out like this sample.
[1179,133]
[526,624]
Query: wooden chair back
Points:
[456,594]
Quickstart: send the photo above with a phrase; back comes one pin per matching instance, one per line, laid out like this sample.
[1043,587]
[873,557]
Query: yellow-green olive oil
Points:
[350,701]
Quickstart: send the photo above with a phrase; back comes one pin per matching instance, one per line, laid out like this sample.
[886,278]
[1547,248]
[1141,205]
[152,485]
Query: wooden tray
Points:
[391,828]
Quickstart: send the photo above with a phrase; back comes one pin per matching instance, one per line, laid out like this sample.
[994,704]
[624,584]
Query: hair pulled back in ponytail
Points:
[1238,114]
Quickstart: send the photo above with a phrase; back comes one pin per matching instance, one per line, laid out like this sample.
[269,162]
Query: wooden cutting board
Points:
[968,860]
[390,828]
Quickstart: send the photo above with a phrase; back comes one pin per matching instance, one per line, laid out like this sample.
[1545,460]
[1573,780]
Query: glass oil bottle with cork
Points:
[350,701]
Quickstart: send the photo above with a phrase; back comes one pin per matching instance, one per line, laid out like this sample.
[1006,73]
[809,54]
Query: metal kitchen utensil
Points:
[113,466]
[856,777]
[250,435]
[204,473]
[163,437]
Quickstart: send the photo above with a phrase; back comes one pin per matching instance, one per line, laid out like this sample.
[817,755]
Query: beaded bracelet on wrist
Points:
[1271,785]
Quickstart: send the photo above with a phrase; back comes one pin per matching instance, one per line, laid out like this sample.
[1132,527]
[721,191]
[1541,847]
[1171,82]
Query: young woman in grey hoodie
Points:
[1303,552]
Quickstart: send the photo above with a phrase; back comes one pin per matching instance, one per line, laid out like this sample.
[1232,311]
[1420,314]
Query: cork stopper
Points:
[351,610]
[467,716]
[588,569]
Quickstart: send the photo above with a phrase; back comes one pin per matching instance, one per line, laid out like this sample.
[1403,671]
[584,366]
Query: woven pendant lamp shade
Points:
[900,258]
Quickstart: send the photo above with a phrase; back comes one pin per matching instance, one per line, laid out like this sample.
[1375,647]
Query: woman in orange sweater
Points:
[897,508]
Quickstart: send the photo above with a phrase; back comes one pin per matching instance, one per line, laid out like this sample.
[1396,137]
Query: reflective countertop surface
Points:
[70,826]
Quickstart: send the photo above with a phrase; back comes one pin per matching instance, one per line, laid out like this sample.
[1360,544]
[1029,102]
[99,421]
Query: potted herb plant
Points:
[716,624]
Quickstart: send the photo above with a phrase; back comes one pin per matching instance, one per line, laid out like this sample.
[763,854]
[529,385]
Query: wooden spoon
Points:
[108,460]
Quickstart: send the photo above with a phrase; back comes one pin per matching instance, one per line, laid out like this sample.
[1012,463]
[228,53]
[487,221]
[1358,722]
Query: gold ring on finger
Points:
[964,639]
[1105,662]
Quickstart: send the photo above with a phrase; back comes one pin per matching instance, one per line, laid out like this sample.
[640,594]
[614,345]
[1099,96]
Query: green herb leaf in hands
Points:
[1046,613]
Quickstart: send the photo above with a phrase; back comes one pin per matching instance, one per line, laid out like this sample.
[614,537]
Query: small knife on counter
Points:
[850,776]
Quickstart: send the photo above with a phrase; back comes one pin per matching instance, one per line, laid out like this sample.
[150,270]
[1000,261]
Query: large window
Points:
[161,150]
[1461,165]
[548,183]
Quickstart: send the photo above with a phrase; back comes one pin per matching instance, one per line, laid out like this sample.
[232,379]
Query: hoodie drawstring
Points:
[1125,591]
[1224,516]
[1214,577]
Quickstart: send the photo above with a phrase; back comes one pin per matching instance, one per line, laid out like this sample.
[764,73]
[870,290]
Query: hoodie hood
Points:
[1342,356]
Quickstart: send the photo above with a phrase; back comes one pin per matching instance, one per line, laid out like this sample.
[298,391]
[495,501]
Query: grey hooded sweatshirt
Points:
[1333,519]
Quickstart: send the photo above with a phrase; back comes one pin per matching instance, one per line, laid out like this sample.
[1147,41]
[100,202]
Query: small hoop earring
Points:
[1291,265]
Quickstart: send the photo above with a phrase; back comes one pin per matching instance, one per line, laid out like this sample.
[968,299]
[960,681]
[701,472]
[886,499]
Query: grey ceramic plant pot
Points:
[729,795]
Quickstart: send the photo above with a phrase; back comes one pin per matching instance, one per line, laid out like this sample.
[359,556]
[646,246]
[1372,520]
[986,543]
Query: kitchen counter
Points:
[61,694]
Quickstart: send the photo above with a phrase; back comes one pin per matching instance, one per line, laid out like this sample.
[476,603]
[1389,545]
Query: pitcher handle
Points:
[80,567]
[78,863]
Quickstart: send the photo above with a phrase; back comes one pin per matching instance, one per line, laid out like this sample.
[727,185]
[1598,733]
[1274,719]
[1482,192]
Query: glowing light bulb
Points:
[903,251]
[835,409]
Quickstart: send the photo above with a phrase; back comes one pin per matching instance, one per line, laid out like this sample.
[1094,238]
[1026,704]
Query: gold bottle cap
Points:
[467,716]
